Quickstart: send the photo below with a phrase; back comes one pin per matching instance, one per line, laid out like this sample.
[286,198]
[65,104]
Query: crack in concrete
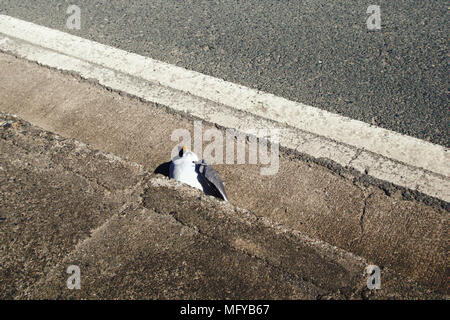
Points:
[363,214]
[66,168]
[292,278]
[361,217]
[357,154]
[31,289]
[83,241]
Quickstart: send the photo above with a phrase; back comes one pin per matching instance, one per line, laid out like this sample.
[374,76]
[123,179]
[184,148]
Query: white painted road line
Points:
[383,154]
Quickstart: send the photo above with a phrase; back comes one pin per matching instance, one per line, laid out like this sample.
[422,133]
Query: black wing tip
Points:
[216,188]
[163,168]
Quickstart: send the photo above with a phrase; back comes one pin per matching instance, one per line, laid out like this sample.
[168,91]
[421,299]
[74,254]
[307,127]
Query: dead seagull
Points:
[186,168]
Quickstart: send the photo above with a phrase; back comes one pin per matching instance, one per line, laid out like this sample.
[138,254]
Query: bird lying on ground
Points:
[187,168]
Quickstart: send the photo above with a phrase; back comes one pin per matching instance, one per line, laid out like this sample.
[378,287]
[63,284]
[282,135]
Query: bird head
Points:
[188,155]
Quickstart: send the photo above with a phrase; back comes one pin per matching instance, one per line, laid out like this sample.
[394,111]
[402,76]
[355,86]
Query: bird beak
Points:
[185,149]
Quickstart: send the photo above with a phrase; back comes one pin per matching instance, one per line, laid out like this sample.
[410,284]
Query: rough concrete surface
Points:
[387,228]
[136,235]
[51,197]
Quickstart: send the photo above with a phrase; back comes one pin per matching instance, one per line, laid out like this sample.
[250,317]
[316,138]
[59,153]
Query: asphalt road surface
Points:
[317,52]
